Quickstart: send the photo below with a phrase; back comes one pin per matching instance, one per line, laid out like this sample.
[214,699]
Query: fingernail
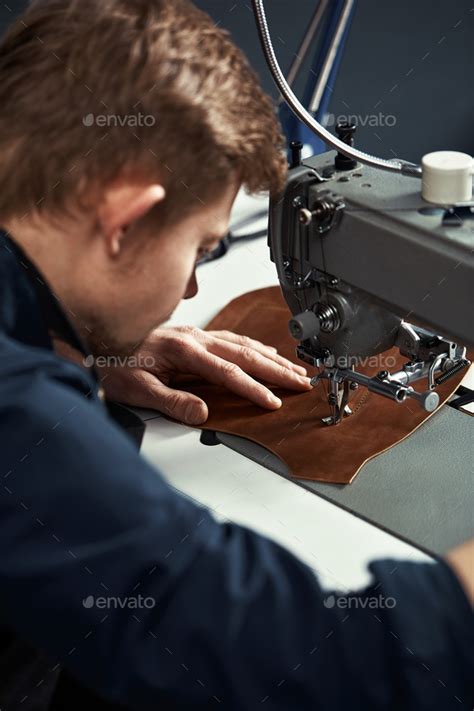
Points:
[275,401]
[297,368]
[194,414]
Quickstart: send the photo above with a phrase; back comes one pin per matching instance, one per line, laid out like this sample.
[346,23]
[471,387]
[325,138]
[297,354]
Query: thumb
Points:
[179,404]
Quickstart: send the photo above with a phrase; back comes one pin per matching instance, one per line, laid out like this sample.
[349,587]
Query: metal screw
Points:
[305,216]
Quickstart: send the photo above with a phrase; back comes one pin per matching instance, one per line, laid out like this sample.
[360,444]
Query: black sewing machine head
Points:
[359,256]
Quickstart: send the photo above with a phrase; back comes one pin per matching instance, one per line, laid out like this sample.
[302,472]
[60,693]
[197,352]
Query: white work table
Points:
[335,543]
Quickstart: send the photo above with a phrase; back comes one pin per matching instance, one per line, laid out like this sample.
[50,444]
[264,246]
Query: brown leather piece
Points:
[295,433]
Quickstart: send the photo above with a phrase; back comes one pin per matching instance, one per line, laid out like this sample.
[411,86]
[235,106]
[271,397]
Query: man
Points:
[126,129]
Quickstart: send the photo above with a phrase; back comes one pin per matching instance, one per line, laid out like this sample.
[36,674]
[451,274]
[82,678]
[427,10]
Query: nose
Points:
[192,287]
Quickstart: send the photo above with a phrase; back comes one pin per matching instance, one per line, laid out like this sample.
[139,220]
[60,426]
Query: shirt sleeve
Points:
[143,597]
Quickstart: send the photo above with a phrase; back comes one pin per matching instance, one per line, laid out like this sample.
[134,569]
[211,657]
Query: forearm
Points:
[253,624]
[232,615]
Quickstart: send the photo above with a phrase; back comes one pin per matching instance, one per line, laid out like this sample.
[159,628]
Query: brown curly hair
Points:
[92,90]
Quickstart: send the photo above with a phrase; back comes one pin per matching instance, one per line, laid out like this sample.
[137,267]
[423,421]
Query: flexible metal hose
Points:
[395,166]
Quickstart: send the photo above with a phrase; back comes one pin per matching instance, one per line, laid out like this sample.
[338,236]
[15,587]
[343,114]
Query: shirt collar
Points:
[29,310]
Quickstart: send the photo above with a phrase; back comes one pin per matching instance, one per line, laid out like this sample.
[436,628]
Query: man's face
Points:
[152,273]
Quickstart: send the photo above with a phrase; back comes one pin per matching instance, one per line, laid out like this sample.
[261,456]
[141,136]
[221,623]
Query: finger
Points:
[179,404]
[269,351]
[243,340]
[261,366]
[148,391]
[231,376]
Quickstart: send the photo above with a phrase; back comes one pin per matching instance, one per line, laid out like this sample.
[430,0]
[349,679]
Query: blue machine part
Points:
[293,128]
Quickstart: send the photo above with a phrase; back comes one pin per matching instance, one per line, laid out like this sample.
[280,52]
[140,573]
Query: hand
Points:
[461,559]
[220,357]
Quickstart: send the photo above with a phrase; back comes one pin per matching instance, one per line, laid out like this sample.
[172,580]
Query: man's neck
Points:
[41,244]
[55,251]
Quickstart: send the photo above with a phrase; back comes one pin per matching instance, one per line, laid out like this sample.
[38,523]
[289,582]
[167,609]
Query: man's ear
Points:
[123,205]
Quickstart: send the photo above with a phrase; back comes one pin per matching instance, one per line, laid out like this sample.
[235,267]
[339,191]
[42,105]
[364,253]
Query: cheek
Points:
[172,274]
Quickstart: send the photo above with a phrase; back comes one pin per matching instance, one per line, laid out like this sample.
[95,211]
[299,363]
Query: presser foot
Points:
[338,398]
[395,386]
[335,419]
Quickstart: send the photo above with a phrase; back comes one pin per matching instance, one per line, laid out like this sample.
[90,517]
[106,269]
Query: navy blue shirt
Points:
[110,574]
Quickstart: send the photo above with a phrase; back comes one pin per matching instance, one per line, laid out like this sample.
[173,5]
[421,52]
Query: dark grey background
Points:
[407,59]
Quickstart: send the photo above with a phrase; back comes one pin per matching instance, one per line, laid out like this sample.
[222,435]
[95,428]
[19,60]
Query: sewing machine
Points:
[421,489]
[361,246]
[360,256]
[370,254]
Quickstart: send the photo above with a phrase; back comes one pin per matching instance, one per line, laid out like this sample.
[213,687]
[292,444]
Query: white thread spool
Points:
[447,177]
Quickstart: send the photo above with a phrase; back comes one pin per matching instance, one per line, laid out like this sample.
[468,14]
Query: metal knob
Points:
[296,148]
[428,400]
[304,325]
[345,132]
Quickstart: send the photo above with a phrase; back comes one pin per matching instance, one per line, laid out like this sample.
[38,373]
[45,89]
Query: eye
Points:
[203,252]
